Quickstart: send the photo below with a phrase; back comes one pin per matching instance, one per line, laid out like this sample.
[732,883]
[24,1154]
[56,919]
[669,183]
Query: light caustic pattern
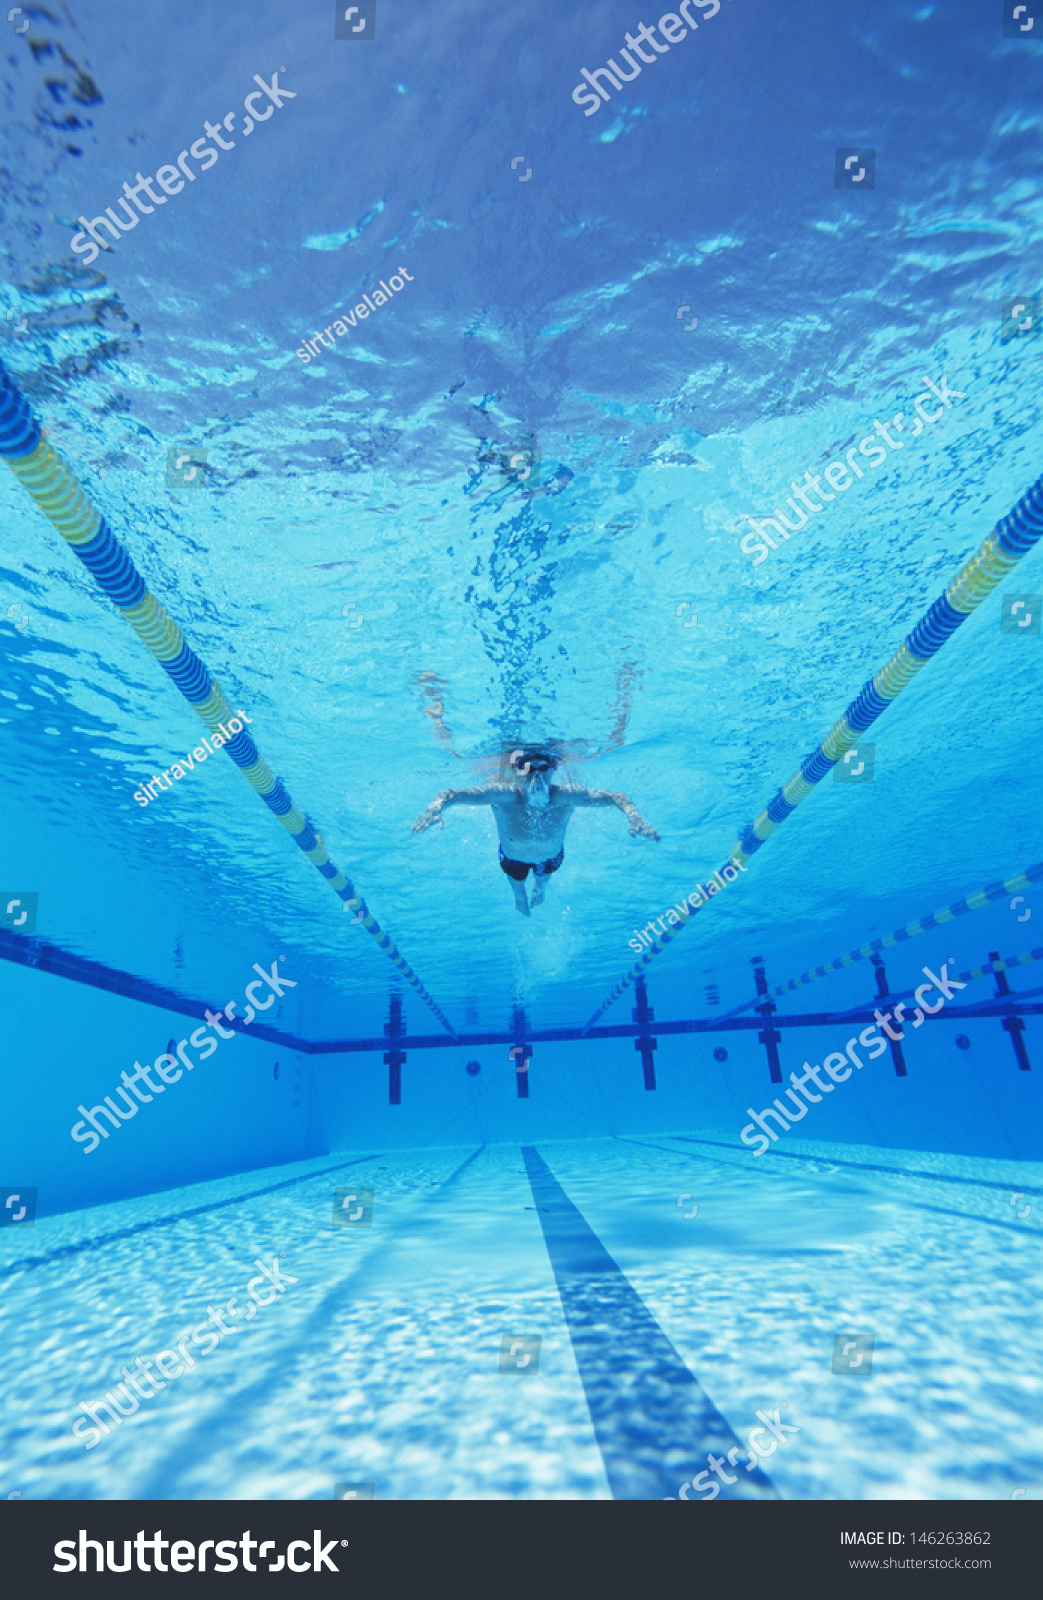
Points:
[458,1257]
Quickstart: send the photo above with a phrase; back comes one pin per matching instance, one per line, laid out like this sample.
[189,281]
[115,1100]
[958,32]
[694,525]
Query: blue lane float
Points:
[53,485]
[1000,553]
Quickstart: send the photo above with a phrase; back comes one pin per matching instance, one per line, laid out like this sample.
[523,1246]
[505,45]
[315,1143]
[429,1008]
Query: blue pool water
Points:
[505,508]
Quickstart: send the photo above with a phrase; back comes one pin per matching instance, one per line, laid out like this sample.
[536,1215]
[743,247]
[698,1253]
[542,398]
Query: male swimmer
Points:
[532,813]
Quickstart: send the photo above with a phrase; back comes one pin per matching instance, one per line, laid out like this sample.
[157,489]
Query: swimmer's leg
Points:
[520,900]
[542,873]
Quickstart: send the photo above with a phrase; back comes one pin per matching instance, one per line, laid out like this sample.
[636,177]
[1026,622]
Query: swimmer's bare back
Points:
[532,815]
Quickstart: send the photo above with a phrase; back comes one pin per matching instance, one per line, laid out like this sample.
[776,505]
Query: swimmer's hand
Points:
[433,814]
[639,828]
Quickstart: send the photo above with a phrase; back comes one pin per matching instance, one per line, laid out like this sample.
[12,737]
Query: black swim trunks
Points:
[519,870]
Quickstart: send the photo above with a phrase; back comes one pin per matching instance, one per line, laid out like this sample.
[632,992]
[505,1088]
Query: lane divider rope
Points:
[988,969]
[1006,964]
[971,902]
[1012,538]
[50,481]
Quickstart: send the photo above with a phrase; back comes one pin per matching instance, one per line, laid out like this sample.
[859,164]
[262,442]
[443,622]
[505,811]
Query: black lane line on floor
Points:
[461,1169]
[407,1241]
[861,1166]
[181,1216]
[906,1205]
[223,1424]
[654,1423]
[972,1216]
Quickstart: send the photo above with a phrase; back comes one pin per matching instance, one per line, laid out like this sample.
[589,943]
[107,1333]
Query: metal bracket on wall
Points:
[883,991]
[521,1053]
[1013,1025]
[394,1057]
[768,1036]
[644,1044]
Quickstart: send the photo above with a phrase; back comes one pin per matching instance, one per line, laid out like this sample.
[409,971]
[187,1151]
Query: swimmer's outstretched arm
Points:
[577,796]
[489,795]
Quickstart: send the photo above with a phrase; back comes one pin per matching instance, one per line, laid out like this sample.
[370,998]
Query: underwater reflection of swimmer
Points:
[434,691]
[532,814]
[433,688]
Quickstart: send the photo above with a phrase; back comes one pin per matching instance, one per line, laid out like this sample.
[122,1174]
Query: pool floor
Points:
[573,1320]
